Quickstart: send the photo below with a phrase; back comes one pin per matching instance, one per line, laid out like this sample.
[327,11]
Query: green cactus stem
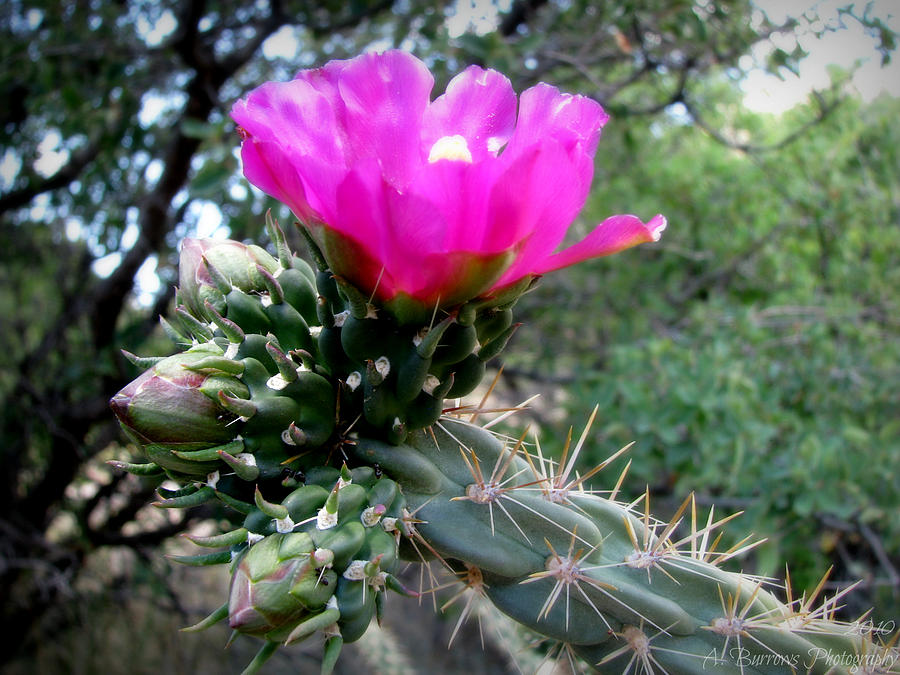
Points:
[318,421]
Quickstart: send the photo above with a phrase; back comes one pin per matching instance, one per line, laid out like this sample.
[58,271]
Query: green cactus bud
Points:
[274,587]
[289,327]
[467,374]
[492,323]
[233,264]
[171,407]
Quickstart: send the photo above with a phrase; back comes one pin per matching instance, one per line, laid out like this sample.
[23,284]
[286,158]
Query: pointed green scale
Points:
[271,509]
[231,538]
[221,282]
[192,326]
[216,364]
[173,333]
[286,367]
[197,498]
[215,617]
[315,623]
[270,283]
[276,235]
[203,559]
[210,454]
[244,467]
[142,362]
[144,470]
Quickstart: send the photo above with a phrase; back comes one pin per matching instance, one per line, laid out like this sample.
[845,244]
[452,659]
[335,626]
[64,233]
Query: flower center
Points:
[453,148]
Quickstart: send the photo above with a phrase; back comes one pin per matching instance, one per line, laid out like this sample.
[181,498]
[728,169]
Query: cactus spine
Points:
[317,420]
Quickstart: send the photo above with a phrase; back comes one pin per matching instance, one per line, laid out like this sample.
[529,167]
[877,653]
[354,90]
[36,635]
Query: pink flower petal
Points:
[614,234]
[325,81]
[385,96]
[456,195]
[544,112]
[535,200]
[294,115]
[480,106]
[269,169]
[284,155]
[387,233]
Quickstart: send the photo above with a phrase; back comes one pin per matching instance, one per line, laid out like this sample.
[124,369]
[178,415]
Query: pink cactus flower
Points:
[435,202]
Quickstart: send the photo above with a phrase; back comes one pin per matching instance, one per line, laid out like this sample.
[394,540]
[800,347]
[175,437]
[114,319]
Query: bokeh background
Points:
[752,354]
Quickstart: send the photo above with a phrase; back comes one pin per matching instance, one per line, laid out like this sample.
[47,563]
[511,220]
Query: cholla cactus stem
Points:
[491,491]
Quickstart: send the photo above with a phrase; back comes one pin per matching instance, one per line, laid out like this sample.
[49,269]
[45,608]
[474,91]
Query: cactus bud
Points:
[271,593]
[207,266]
[173,407]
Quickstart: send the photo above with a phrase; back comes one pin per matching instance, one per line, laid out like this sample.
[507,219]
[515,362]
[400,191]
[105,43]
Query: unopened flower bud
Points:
[207,267]
[171,407]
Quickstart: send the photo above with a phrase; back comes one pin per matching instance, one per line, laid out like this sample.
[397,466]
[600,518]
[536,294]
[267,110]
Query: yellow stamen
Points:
[453,148]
